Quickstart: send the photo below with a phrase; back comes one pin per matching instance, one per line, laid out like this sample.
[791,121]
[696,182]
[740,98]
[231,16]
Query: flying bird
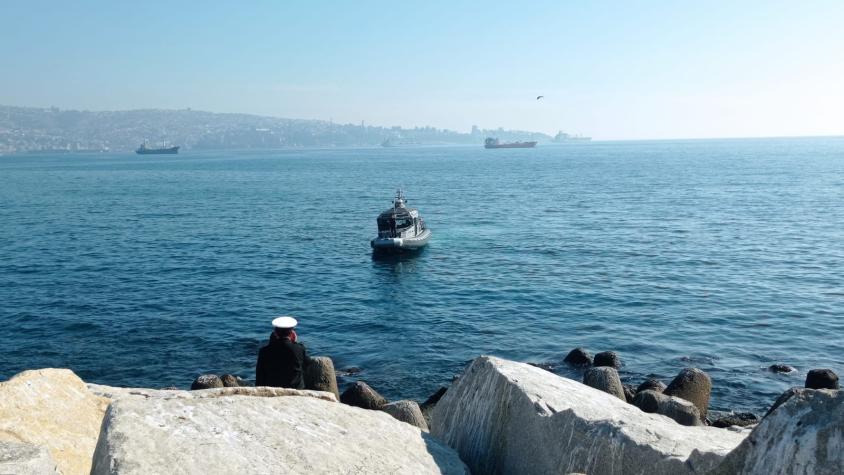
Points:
[539,97]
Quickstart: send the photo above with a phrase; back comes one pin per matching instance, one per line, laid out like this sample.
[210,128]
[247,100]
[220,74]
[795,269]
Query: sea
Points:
[725,255]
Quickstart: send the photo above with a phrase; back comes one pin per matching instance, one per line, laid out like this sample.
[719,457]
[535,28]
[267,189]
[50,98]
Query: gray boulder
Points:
[652,385]
[207,381]
[320,376]
[507,417]
[607,358]
[362,395]
[692,385]
[606,379]
[230,381]
[681,411]
[26,459]
[805,435]
[648,401]
[578,357]
[407,411]
[261,435]
[822,379]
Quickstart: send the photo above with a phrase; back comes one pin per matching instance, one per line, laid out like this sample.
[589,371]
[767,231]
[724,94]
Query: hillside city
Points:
[27,130]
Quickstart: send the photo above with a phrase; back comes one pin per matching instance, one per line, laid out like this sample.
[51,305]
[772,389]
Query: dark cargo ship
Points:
[144,150]
[494,143]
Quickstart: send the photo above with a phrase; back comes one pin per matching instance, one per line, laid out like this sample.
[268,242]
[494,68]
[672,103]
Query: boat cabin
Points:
[400,221]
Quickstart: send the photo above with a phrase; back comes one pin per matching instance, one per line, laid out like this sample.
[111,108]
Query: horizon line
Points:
[330,121]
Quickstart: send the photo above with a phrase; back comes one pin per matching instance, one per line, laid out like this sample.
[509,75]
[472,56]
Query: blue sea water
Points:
[726,255]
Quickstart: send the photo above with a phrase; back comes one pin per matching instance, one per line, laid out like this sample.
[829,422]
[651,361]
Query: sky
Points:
[611,70]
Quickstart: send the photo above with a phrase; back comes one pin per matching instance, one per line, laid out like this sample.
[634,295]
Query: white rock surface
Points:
[805,435]
[262,435]
[52,408]
[114,393]
[506,417]
[25,459]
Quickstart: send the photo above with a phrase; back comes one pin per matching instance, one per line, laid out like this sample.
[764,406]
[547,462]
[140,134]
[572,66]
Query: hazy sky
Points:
[613,70]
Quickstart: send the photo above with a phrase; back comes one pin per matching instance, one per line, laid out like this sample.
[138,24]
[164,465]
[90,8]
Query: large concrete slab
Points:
[507,417]
[52,408]
[805,435]
[262,435]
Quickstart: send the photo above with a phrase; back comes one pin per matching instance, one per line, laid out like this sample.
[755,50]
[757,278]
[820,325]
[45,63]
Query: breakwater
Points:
[498,416]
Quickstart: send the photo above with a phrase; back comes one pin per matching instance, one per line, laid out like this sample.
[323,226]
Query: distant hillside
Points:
[25,129]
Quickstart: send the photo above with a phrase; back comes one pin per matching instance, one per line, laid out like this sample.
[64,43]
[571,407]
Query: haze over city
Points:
[609,70]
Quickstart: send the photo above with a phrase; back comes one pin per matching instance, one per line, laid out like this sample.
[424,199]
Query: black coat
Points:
[281,364]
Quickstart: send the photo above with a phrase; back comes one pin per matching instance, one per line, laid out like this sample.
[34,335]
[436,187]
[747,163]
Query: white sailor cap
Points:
[284,322]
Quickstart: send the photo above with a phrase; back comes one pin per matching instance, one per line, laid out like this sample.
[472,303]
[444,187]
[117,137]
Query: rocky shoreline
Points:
[499,416]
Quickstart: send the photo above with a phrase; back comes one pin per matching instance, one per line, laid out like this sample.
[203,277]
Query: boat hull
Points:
[157,151]
[512,145]
[399,244]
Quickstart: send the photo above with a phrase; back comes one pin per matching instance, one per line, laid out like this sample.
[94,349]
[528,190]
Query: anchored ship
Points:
[564,137]
[165,150]
[495,143]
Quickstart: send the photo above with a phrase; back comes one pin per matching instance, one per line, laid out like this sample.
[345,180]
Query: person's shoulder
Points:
[297,345]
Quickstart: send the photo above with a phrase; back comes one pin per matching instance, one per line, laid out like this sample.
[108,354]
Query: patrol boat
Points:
[400,228]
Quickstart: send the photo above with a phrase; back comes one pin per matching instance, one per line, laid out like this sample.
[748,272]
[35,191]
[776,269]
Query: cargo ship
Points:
[495,143]
[144,150]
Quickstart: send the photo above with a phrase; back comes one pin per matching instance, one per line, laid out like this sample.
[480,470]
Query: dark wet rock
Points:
[546,366]
[781,368]
[694,386]
[578,357]
[231,381]
[433,399]
[319,375]
[606,379]
[607,358]
[407,411]
[822,379]
[681,411]
[362,395]
[428,406]
[207,381]
[629,392]
[652,384]
[349,371]
[741,419]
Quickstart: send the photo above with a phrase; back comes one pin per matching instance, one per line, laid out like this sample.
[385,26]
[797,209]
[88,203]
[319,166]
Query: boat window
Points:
[403,223]
[385,224]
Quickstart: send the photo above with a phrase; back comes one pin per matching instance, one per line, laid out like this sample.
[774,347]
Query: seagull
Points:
[539,97]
